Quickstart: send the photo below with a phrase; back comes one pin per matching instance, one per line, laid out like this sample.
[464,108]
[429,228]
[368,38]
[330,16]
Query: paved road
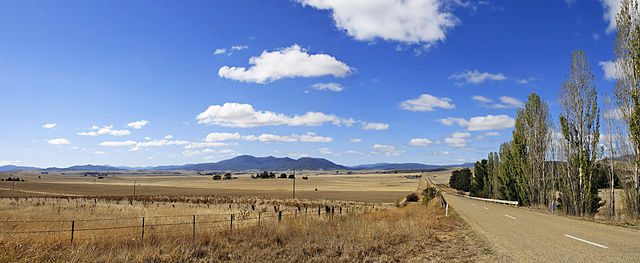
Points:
[530,236]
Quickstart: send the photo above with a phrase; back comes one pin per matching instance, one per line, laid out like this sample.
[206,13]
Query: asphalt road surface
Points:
[530,236]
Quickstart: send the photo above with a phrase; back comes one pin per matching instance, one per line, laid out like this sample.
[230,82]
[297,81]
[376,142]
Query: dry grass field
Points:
[357,187]
[191,218]
[415,233]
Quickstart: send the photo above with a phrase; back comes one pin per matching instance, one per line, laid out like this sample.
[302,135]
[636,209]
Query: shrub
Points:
[429,193]
[413,197]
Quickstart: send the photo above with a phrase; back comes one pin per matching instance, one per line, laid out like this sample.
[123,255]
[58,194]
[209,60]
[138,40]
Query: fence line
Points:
[146,224]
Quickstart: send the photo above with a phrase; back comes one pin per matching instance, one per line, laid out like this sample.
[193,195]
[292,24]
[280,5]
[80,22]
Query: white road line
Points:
[510,216]
[588,242]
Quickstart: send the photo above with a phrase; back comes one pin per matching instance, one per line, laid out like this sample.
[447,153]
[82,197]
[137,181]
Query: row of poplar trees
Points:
[553,164]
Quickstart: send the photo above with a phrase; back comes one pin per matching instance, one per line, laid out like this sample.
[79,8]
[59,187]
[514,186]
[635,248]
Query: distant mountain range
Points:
[248,162]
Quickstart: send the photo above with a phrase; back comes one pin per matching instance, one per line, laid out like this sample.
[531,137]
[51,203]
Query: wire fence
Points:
[139,228]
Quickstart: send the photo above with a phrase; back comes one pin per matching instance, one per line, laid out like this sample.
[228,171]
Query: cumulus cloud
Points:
[482,99]
[59,141]
[476,77]
[137,124]
[222,136]
[387,150]
[331,86]
[458,139]
[426,102]
[118,143]
[239,47]
[491,134]
[611,9]
[290,62]
[196,145]
[168,136]
[49,125]
[312,137]
[420,142]
[482,123]
[374,126]
[355,140]
[265,137]
[505,102]
[416,22]
[220,51]
[610,70]
[106,130]
[245,116]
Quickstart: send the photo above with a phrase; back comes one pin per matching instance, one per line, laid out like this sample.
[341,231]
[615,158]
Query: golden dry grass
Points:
[413,233]
[355,187]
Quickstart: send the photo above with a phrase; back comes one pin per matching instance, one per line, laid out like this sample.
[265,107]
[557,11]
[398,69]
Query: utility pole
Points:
[294,182]
[134,188]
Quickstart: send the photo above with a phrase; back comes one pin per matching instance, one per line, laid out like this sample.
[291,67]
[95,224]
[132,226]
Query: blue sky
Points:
[150,83]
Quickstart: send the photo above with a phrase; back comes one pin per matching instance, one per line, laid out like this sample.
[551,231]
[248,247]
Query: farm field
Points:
[177,219]
[357,187]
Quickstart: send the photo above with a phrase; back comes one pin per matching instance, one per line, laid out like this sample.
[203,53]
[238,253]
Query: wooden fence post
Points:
[193,235]
[231,225]
[142,236]
[279,216]
[259,214]
[73,227]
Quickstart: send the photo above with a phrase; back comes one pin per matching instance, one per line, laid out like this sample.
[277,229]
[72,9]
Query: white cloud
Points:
[312,137]
[477,77]
[106,130]
[245,116]
[611,9]
[491,134]
[157,143]
[137,124]
[417,21]
[375,126]
[239,47]
[6,162]
[196,145]
[332,86]
[387,150]
[355,140]
[509,102]
[458,139]
[482,123]
[59,141]
[610,70]
[426,102]
[505,102]
[99,152]
[290,62]
[420,142]
[118,143]
[222,136]
[451,121]
[168,136]
[49,125]
[482,99]
[220,51]
[525,81]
